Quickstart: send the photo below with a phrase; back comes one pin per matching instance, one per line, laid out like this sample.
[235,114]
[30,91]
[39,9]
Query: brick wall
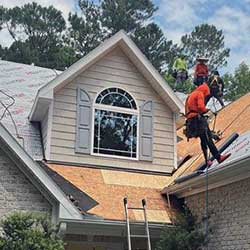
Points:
[17,192]
[229,210]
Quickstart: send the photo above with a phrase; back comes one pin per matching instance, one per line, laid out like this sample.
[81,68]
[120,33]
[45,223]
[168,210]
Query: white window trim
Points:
[120,110]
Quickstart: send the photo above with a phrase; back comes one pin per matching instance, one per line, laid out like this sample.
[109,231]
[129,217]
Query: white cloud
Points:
[180,13]
[178,17]
[235,25]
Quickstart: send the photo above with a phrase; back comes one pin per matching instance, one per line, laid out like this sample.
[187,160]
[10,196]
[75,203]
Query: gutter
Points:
[223,174]
[91,226]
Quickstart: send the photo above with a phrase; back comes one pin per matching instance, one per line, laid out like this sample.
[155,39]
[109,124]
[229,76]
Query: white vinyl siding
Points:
[114,70]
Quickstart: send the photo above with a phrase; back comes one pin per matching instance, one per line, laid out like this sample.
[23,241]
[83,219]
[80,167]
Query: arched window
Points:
[115,124]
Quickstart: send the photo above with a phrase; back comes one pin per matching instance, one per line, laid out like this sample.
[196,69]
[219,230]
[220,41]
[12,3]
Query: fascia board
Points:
[67,209]
[152,75]
[110,227]
[81,65]
[120,38]
[74,70]
[226,173]
[40,106]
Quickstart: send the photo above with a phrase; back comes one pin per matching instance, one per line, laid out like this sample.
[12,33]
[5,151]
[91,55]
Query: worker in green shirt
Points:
[180,70]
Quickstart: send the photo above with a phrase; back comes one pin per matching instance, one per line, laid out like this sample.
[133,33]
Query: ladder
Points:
[129,235]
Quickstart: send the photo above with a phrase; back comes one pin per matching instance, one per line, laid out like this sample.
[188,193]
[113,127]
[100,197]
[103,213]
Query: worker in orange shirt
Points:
[196,123]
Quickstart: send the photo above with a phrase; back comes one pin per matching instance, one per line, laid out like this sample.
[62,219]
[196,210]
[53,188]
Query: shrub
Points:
[21,231]
[185,234]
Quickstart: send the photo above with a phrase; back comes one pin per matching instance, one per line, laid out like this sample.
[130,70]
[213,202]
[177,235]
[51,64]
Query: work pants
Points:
[207,142]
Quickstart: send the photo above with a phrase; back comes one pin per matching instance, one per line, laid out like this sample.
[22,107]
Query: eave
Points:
[45,94]
[39,178]
[89,226]
[224,174]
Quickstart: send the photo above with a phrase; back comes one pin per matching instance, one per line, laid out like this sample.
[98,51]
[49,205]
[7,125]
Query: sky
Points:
[178,17]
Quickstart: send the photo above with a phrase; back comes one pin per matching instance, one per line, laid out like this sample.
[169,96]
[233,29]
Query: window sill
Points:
[115,157]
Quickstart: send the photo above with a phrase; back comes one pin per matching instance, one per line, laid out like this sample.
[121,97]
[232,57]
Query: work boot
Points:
[223,158]
[209,163]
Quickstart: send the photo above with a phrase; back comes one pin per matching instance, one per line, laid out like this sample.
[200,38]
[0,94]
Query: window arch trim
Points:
[98,106]
[133,100]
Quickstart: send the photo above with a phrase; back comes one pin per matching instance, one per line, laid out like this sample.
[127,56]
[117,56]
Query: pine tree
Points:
[205,40]
[37,34]
[238,83]
[128,15]
[152,42]
[85,32]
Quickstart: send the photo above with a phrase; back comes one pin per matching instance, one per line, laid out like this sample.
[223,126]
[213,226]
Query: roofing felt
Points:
[233,118]
[22,82]
[109,187]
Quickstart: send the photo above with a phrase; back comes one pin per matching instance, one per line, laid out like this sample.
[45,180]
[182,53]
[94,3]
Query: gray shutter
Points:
[83,122]
[146,131]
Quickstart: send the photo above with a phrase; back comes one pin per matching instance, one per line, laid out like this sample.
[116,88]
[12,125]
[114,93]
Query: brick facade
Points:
[229,211]
[17,192]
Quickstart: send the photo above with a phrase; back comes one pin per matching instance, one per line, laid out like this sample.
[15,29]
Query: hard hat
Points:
[202,58]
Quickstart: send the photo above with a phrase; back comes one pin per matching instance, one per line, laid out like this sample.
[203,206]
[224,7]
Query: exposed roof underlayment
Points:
[22,82]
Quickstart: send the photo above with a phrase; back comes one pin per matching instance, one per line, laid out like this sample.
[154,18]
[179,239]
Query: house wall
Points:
[16,191]
[44,128]
[229,211]
[114,70]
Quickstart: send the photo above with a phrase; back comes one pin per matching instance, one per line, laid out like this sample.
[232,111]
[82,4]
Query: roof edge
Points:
[66,208]
[88,60]
[224,174]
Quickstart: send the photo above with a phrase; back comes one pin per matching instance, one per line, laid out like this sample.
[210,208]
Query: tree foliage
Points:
[238,83]
[26,231]
[37,34]
[152,42]
[85,32]
[98,22]
[185,234]
[205,40]
[40,34]
[129,15]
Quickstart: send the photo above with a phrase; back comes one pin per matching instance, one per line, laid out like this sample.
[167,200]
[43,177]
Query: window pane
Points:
[116,97]
[115,133]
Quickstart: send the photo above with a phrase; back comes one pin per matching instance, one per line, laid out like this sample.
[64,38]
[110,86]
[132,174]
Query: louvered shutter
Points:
[83,122]
[146,131]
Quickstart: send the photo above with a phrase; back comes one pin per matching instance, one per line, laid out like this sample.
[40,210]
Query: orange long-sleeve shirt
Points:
[195,103]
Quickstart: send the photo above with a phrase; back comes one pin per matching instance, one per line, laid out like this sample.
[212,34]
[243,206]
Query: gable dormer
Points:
[110,109]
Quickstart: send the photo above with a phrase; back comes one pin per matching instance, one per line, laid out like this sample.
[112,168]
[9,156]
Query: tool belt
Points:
[196,126]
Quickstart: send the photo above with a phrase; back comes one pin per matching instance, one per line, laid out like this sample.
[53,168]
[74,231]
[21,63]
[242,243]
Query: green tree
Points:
[2,16]
[238,83]
[37,34]
[97,22]
[126,14]
[27,231]
[85,32]
[185,234]
[152,42]
[205,40]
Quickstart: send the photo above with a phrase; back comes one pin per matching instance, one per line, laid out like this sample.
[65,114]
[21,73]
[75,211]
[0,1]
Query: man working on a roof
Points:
[180,70]
[196,123]
[216,86]
[201,71]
